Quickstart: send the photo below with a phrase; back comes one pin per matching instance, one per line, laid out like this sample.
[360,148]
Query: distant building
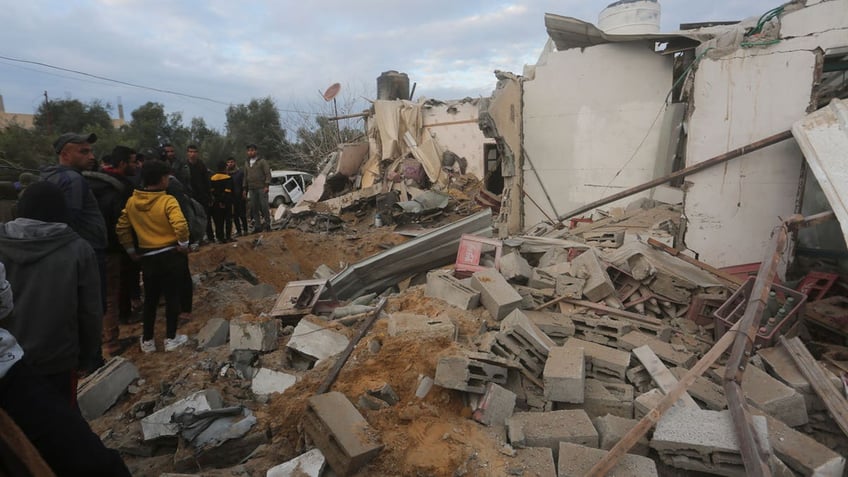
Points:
[26,121]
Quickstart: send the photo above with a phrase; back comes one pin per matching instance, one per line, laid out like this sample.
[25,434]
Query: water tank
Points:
[630,17]
[392,85]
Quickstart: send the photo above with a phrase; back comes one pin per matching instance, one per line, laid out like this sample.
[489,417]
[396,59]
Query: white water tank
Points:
[630,17]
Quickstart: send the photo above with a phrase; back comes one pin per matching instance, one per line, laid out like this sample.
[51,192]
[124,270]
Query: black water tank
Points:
[392,85]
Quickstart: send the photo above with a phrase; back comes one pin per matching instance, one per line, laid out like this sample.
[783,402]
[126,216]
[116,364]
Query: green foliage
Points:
[71,115]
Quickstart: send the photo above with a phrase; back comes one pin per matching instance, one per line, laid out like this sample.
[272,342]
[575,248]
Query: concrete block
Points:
[101,390]
[557,326]
[496,406]
[704,441]
[267,381]
[496,294]
[708,393]
[214,333]
[602,362]
[802,453]
[602,398]
[569,286]
[576,461]
[444,286]
[159,423]
[780,364]
[541,280]
[589,266]
[663,350]
[253,333]
[344,437]
[564,375]
[522,341]
[639,377]
[515,268]
[771,396]
[308,464]
[612,428]
[613,239]
[548,429]
[644,402]
[532,462]
[466,374]
[605,330]
[421,326]
[553,257]
[317,342]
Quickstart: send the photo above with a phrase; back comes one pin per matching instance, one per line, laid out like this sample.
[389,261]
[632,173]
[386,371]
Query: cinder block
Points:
[780,364]
[569,286]
[598,284]
[541,280]
[421,326]
[442,285]
[771,396]
[465,374]
[704,441]
[267,381]
[315,341]
[605,330]
[515,268]
[344,437]
[556,326]
[565,374]
[214,333]
[159,423]
[644,402]
[639,377]
[253,333]
[614,239]
[604,398]
[548,429]
[602,362]
[576,461]
[496,295]
[496,406]
[519,339]
[532,462]
[802,453]
[612,428]
[101,390]
[308,464]
[703,390]
[663,350]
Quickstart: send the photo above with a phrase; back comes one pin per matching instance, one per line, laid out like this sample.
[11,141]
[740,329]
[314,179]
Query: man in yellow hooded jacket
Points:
[152,229]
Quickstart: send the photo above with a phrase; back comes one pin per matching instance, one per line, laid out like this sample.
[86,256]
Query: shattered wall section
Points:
[454,126]
[500,119]
[592,123]
[741,97]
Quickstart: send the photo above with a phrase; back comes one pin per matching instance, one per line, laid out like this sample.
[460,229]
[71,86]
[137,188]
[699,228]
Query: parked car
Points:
[287,187]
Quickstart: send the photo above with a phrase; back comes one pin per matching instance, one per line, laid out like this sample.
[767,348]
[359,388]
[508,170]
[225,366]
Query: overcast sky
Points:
[230,52]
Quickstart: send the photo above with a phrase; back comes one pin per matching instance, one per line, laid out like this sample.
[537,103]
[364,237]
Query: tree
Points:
[23,149]
[151,127]
[257,122]
[70,115]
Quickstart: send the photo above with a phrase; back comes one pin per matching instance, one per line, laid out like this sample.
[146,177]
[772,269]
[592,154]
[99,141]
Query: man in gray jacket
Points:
[257,179]
[54,278]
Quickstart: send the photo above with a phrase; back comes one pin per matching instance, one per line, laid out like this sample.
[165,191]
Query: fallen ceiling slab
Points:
[568,32]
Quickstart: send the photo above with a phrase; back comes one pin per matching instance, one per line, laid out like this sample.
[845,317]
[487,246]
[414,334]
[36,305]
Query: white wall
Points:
[738,99]
[585,114]
[454,125]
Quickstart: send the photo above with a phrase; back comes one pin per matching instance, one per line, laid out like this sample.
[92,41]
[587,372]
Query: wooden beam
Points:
[835,402]
[612,311]
[661,376]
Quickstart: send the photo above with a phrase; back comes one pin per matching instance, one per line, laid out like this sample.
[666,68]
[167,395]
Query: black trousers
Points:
[164,274]
[223,222]
[63,438]
[240,215]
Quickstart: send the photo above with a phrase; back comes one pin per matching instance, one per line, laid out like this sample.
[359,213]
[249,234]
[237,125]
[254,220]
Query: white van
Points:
[287,187]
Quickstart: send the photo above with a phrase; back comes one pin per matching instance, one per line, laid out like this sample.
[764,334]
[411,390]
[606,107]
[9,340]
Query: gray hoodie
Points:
[10,350]
[56,284]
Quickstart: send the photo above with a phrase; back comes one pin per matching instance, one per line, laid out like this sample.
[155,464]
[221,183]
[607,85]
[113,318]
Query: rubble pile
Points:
[535,356]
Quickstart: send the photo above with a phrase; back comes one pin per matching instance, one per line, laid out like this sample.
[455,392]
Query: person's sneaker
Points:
[173,343]
[147,346]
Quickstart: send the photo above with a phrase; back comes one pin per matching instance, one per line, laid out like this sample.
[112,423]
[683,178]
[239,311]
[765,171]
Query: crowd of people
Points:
[83,238]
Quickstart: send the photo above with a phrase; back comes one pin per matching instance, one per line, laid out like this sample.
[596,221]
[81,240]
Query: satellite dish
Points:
[332,91]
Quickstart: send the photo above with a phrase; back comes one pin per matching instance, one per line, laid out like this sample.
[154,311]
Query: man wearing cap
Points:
[257,179]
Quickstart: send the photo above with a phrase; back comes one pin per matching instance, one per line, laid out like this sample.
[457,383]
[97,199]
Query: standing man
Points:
[200,186]
[257,179]
[239,209]
[222,203]
[179,167]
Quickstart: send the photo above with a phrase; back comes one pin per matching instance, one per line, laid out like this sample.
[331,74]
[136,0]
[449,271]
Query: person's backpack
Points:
[196,218]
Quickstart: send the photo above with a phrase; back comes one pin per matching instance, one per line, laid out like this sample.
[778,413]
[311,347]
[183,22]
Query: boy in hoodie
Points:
[39,411]
[163,239]
[55,279]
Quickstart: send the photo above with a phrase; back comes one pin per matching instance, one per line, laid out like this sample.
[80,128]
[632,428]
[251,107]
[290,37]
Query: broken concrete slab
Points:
[532,462]
[602,398]
[602,362]
[800,452]
[308,464]
[564,375]
[444,286]
[548,429]
[421,326]
[466,374]
[576,460]
[317,342]
[660,374]
[267,381]
[556,326]
[663,350]
[253,333]
[589,266]
[159,423]
[612,428]
[780,364]
[214,333]
[704,441]
[496,294]
[100,390]
[495,407]
[515,268]
[771,396]
[569,287]
[542,280]
[710,394]
[341,433]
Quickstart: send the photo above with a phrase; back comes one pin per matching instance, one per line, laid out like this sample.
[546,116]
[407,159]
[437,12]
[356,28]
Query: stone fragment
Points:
[532,462]
[100,390]
[253,333]
[612,428]
[159,423]
[496,294]
[315,341]
[308,464]
[598,284]
[214,333]
[515,268]
[576,461]
[267,381]
[548,429]
[496,406]
[557,326]
[421,326]
[771,396]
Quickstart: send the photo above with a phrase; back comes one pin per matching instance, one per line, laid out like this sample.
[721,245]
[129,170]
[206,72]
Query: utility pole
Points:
[49,114]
